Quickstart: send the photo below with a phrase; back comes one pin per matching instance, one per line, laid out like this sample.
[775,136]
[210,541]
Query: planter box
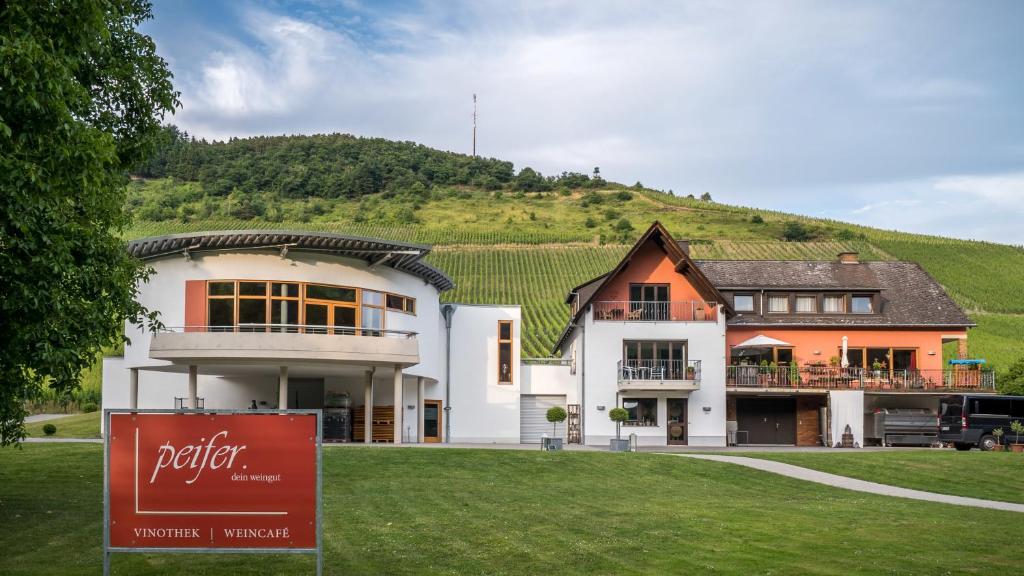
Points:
[1016,447]
[621,445]
[551,444]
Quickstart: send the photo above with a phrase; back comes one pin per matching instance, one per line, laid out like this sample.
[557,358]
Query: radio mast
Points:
[474,125]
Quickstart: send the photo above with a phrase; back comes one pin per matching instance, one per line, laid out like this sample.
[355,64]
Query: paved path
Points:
[848,483]
[44,417]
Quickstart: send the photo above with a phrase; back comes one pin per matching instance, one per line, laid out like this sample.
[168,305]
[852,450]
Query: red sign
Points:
[212,480]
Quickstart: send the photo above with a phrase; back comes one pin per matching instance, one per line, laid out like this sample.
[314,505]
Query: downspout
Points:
[583,381]
[447,311]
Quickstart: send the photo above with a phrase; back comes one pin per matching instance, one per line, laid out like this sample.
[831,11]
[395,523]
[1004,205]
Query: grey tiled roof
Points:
[909,295]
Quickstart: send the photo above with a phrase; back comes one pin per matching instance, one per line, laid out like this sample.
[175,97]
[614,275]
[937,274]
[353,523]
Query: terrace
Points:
[655,311]
[659,374]
[836,378]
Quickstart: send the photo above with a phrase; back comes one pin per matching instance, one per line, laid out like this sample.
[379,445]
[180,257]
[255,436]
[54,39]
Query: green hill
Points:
[523,238]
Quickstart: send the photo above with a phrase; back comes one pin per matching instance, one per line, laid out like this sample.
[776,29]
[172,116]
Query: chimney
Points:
[849,257]
[684,245]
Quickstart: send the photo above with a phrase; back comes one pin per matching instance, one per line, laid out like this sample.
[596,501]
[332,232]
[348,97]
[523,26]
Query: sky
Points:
[899,115]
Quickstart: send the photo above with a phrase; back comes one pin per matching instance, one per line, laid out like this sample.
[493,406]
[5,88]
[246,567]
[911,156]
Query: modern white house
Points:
[703,353]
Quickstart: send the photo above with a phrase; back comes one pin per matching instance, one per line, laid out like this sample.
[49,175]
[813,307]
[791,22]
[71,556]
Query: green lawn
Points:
[439,511]
[990,475]
[76,426]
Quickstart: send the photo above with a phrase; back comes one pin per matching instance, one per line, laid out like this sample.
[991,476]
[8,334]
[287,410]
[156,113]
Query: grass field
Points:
[76,426]
[990,475]
[420,511]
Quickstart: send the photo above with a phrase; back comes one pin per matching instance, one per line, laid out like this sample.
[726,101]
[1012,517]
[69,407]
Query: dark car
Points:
[967,420]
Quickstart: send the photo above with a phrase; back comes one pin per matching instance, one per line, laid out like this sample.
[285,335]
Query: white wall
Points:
[603,350]
[481,409]
[549,379]
[166,292]
[847,407]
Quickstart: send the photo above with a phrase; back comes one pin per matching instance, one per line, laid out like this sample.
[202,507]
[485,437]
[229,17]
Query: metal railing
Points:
[647,311]
[547,361]
[659,370]
[297,329]
[828,377]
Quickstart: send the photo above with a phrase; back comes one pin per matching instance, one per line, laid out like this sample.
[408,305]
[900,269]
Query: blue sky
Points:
[901,115]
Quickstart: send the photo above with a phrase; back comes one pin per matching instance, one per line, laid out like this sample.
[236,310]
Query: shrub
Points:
[590,222]
[49,429]
[555,415]
[89,407]
[756,219]
[623,195]
[1012,381]
[624,226]
[796,232]
[611,214]
[618,415]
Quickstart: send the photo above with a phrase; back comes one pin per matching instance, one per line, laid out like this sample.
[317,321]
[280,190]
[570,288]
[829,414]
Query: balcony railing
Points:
[646,311]
[297,329]
[659,370]
[834,378]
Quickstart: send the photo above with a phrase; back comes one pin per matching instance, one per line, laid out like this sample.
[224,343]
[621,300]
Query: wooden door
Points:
[432,421]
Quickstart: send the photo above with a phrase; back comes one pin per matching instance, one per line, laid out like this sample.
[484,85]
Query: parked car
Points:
[967,420]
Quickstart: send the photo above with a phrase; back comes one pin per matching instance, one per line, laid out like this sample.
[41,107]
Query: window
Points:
[833,304]
[642,411]
[220,306]
[284,306]
[784,356]
[778,303]
[648,302]
[806,304]
[336,293]
[993,406]
[653,359]
[401,303]
[743,302]
[854,356]
[861,304]
[504,352]
[373,311]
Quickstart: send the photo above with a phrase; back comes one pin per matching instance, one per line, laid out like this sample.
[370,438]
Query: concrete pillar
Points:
[368,407]
[398,404]
[420,385]
[133,390]
[282,389]
[193,386]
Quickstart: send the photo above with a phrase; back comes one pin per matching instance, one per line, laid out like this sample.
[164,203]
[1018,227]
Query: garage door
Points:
[766,420]
[533,420]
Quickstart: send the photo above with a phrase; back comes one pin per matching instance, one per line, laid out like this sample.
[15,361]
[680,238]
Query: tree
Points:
[1012,382]
[706,197]
[82,95]
[555,414]
[796,232]
[618,415]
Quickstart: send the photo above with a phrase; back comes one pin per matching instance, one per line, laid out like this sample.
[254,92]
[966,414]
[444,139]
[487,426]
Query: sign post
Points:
[214,481]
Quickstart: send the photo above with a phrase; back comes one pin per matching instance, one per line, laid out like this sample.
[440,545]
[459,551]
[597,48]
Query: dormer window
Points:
[743,302]
[778,303]
[833,304]
[861,304]
[806,304]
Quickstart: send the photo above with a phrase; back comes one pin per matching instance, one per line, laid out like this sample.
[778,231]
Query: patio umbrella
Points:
[843,361]
[761,341]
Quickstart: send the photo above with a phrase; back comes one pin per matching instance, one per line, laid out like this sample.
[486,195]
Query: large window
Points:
[504,352]
[743,302]
[648,302]
[642,411]
[654,359]
[262,306]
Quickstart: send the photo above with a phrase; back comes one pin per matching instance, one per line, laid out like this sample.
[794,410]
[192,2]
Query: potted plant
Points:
[1018,429]
[618,415]
[998,435]
[794,374]
[691,372]
[555,414]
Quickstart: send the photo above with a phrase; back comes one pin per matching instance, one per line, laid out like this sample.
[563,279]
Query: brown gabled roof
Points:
[684,264]
[910,297]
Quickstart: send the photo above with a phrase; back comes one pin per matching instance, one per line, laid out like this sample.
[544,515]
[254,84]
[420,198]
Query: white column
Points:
[420,385]
[193,386]
[368,407]
[282,389]
[133,390]
[398,404]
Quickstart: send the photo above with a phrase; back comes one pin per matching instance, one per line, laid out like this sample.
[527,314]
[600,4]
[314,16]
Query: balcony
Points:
[284,343]
[648,311]
[835,378]
[659,374]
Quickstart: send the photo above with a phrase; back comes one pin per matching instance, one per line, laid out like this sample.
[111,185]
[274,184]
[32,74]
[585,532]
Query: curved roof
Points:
[398,255]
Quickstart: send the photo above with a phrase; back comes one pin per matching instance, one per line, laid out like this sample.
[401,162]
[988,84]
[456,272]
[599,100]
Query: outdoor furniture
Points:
[644,373]
[658,373]
[628,373]
[635,314]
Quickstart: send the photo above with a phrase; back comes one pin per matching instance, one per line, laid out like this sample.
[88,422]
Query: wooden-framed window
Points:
[861,304]
[642,411]
[743,302]
[401,303]
[806,303]
[276,306]
[504,351]
[834,304]
[778,303]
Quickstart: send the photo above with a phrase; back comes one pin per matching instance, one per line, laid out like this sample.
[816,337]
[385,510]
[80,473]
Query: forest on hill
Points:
[518,237]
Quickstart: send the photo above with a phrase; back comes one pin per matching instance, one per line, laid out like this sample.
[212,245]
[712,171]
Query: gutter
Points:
[447,311]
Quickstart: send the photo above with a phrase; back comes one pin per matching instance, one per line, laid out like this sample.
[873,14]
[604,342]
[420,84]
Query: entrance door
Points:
[676,423]
[432,421]
[306,393]
[766,420]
